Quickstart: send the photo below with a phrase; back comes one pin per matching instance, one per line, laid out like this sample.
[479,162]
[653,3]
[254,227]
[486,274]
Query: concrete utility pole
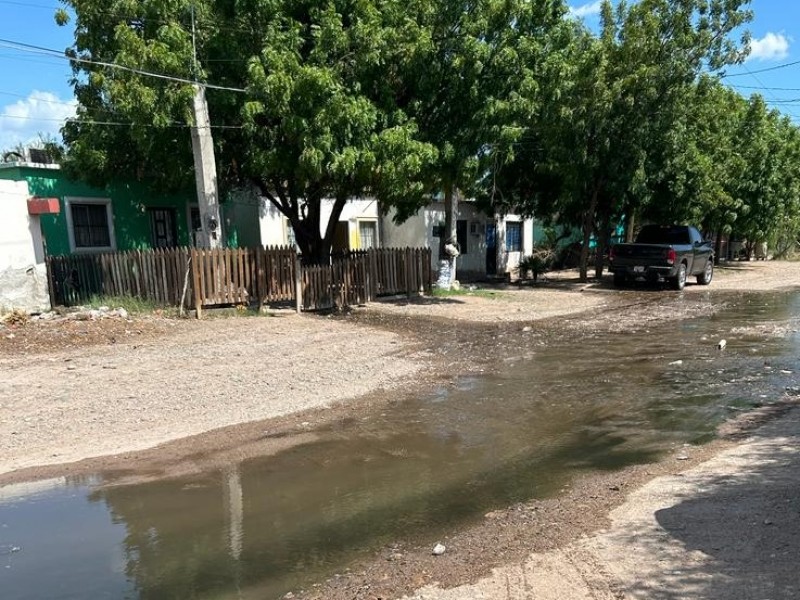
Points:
[205,172]
[205,163]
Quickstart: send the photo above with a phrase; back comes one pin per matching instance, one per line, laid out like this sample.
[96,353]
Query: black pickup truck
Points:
[664,253]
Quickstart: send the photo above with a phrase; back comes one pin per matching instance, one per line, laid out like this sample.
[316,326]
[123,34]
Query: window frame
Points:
[516,225]
[372,222]
[69,202]
[172,221]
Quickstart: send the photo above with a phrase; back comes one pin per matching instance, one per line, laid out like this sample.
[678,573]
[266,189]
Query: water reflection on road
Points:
[416,469]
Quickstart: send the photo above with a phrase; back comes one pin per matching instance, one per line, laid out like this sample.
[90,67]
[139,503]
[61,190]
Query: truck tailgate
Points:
[628,254]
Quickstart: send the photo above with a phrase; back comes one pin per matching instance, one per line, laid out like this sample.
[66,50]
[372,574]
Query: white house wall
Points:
[23,275]
[418,231]
[273,225]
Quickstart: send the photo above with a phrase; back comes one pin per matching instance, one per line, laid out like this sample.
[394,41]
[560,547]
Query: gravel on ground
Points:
[726,528]
[182,379]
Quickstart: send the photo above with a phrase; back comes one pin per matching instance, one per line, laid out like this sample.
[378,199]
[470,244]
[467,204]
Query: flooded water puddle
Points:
[413,471]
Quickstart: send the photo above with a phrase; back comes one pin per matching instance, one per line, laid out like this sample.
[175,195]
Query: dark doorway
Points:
[491,249]
[162,227]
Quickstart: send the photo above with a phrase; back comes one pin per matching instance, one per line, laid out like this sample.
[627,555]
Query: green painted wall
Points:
[129,203]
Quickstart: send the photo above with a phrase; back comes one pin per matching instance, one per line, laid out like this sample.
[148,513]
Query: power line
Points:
[756,87]
[56,54]
[766,70]
[114,123]
[56,65]
[24,97]
[775,99]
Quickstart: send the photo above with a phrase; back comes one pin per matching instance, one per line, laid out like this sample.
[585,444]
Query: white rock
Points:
[676,363]
[122,313]
[722,344]
[439,549]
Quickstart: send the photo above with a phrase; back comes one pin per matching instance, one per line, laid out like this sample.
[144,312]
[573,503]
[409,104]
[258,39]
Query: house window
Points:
[195,224]
[162,228]
[368,234]
[461,235]
[514,236]
[89,224]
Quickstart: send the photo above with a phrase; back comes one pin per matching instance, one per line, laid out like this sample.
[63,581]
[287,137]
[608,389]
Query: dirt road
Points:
[74,390]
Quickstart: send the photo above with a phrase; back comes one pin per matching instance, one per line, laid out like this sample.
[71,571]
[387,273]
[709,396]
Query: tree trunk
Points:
[718,247]
[630,226]
[603,237]
[588,227]
[447,263]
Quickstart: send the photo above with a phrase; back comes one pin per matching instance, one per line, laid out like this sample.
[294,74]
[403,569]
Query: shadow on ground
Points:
[745,522]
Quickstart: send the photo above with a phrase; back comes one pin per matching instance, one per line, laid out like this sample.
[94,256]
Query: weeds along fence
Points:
[203,278]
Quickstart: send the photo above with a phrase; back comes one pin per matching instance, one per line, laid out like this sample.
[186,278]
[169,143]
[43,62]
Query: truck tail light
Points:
[671,256]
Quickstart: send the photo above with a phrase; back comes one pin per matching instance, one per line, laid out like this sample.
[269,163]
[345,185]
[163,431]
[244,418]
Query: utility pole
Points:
[205,163]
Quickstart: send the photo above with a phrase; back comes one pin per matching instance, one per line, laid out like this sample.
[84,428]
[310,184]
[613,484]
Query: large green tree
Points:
[471,83]
[318,117]
[603,139]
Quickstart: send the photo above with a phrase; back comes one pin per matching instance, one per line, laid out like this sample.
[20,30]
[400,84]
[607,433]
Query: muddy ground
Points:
[114,389]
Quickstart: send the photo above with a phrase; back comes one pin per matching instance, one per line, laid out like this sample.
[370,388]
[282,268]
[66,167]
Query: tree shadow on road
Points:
[740,532]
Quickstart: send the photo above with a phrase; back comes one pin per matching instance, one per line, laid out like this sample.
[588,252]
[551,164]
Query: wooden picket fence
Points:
[202,278]
[243,276]
[154,275]
[361,276]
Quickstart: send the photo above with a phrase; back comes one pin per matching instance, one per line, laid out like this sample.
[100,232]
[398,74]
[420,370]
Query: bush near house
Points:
[538,263]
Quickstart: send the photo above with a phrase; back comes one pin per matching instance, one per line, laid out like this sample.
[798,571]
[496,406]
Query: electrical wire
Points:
[756,87]
[115,123]
[56,54]
[766,70]
[24,97]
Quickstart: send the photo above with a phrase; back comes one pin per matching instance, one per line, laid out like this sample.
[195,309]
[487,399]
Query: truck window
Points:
[653,234]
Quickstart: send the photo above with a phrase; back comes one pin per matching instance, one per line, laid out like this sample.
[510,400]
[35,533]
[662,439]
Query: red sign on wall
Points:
[43,206]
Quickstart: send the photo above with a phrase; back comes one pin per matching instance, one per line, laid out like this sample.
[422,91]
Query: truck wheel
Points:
[679,281]
[620,279]
[708,273]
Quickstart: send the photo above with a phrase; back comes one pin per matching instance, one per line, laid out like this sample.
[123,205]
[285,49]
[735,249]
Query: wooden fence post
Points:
[298,284]
[197,268]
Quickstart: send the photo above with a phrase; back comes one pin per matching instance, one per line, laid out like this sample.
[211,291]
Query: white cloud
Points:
[41,112]
[773,46]
[586,10]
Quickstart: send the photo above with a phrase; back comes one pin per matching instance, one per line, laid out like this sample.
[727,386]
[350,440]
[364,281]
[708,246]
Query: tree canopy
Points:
[513,102]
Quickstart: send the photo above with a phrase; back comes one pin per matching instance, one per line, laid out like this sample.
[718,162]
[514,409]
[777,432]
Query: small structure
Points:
[489,246]
[124,215]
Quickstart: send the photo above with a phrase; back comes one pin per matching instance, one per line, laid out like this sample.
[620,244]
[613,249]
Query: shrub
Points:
[537,263]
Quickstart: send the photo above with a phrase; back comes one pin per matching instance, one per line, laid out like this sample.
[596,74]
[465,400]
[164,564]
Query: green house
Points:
[122,216]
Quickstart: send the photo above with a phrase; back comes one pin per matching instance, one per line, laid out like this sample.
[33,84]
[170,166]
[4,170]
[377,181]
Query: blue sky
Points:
[35,96]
